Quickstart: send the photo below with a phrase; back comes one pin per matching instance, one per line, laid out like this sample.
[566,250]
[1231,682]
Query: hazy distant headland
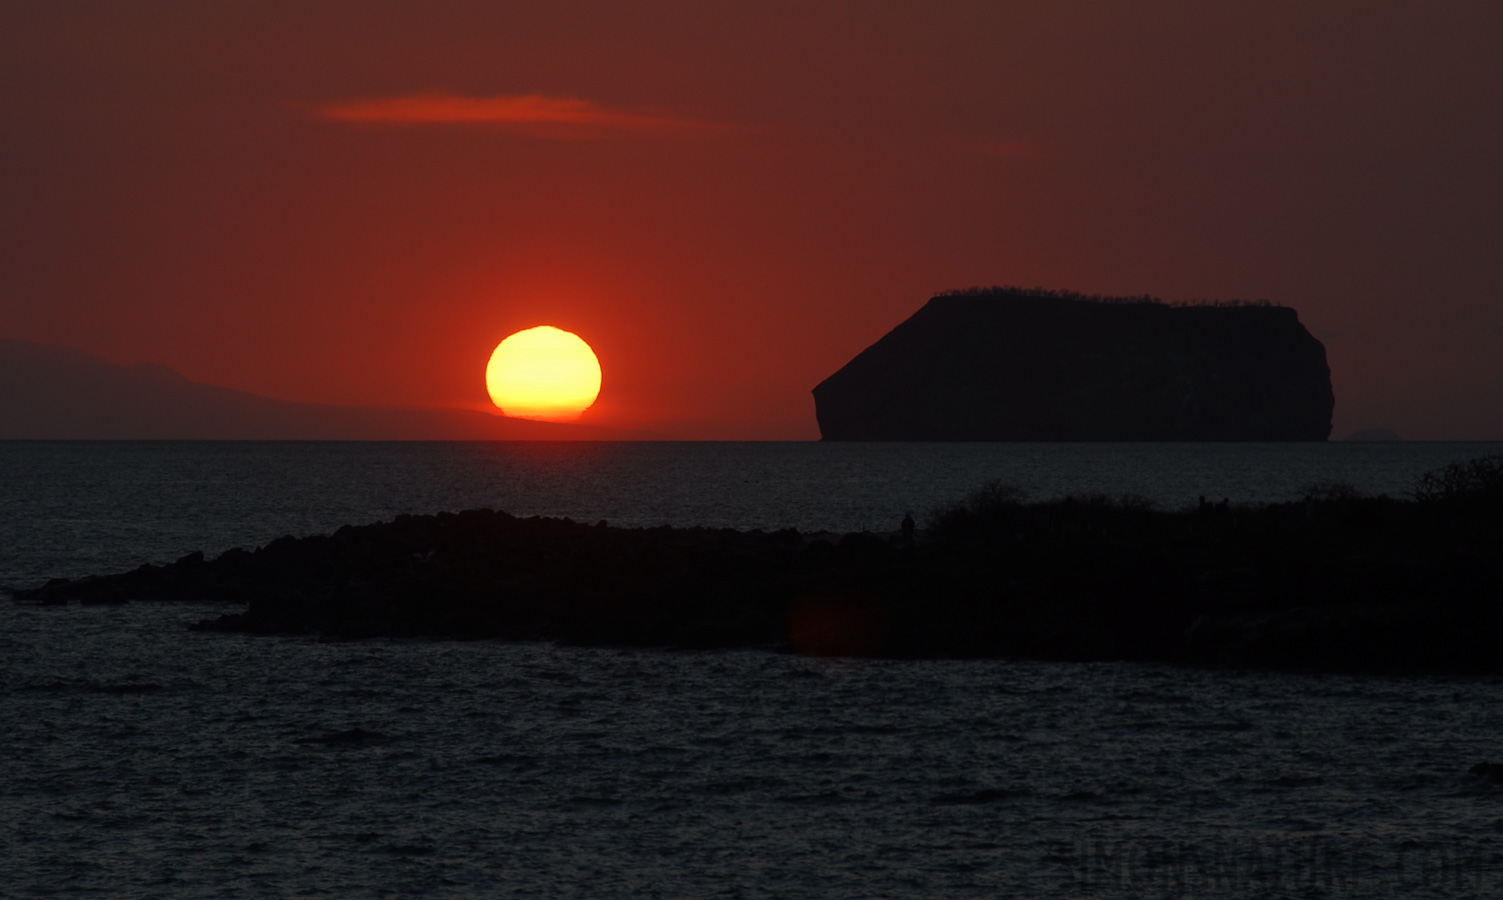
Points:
[1007,364]
[56,393]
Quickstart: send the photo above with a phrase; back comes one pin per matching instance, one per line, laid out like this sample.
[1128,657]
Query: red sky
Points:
[353,202]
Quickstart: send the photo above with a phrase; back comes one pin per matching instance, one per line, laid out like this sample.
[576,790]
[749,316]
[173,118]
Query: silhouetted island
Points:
[1005,364]
[1373,434]
[1333,581]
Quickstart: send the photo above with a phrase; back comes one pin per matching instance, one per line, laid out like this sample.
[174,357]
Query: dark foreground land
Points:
[1336,581]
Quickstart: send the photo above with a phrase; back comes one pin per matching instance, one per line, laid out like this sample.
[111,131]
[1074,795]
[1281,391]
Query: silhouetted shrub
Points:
[1136,503]
[1103,502]
[993,505]
[1224,304]
[1042,293]
[1331,492]
[1477,480]
[995,495]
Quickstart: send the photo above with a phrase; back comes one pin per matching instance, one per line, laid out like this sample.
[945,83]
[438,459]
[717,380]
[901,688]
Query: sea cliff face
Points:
[1024,366]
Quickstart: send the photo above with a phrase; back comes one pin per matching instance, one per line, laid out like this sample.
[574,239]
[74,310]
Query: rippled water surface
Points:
[140,759]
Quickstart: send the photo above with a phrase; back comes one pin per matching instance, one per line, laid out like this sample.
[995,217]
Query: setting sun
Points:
[543,373]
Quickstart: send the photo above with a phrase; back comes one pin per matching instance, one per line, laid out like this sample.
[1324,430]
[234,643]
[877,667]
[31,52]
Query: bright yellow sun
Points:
[543,373]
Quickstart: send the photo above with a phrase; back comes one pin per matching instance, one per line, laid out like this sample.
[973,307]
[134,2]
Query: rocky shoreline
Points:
[1335,582]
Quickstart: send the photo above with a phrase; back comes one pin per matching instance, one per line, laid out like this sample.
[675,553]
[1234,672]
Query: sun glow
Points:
[543,373]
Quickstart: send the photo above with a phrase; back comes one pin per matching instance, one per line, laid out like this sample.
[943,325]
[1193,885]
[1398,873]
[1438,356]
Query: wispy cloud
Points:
[534,114]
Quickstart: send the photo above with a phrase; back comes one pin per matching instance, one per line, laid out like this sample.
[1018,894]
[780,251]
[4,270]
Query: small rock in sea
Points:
[985,795]
[355,737]
[131,687]
[1490,771]
[407,850]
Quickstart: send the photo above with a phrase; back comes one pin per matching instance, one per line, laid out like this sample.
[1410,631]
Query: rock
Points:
[355,737]
[130,687]
[720,634]
[985,795]
[1013,365]
[1488,771]
[1372,584]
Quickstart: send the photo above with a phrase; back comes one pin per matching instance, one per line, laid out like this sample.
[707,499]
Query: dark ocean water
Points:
[139,759]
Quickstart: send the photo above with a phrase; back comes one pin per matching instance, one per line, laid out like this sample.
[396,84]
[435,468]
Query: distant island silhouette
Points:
[49,392]
[1373,434]
[1335,580]
[1008,364]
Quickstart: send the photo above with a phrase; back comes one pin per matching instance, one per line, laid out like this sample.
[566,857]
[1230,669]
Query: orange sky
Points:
[353,202]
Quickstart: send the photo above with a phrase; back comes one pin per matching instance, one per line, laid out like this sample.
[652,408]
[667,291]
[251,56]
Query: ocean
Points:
[144,760]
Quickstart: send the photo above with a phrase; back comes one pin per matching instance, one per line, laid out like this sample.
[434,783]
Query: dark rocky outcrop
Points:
[1336,581]
[355,737]
[1488,771]
[1010,365]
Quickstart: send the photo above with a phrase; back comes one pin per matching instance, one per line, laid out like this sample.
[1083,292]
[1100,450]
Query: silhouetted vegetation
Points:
[1331,491]
[1334,580]
[999,506]
[1041,293]
[994,505]
[1472,482]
